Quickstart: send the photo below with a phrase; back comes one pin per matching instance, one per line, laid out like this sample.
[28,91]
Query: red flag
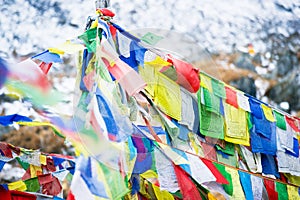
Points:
[231,97]
[187,75]
[188,189]
[220,178]
[29,72]
[17,195]
[292,123]
[270,187]
[70,196]
[45,67]
[52,188]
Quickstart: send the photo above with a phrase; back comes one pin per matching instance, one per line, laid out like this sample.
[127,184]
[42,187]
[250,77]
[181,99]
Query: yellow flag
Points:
[167,95]
[19,186]
[149,174]
[205,82]
[238,192]
[268,113]
[158,63]
[162,194]
[148,74]
[236,129]
[43,159]
[67,47]
[35,171]
[292,192]
[211,196]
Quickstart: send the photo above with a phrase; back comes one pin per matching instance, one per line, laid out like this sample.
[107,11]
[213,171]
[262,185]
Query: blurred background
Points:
[253,45]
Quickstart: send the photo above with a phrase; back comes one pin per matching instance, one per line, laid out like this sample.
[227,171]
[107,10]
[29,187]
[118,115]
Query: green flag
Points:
[32,184]
[218,88]
[280,121]
[281,190]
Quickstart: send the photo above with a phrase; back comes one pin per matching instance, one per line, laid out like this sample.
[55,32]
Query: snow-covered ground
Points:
[28,26]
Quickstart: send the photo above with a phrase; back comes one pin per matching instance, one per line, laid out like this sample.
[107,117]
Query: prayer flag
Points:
[231,96]
[187,75]
[3,72]
[187,187]
[280,120]
[48,57]
[218,88]
[270,187]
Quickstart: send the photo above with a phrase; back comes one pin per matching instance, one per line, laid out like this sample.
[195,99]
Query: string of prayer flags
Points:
[131,159]
[124,74]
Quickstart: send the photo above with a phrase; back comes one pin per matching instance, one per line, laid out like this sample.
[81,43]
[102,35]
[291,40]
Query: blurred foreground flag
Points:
[29,72]
[3,72]
[28,80]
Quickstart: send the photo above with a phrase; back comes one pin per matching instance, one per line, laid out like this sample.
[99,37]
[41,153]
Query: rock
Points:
[40,137]
[246,85]
[244,61]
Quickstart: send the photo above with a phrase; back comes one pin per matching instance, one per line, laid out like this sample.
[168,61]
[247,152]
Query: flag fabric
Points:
[3,72]
[245,179]
[231,96]
[271,190]
[10,119]
[218,88]
[211,124]
[236,130]
[187,75]
[280,120]
[187,187]
[48,57]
